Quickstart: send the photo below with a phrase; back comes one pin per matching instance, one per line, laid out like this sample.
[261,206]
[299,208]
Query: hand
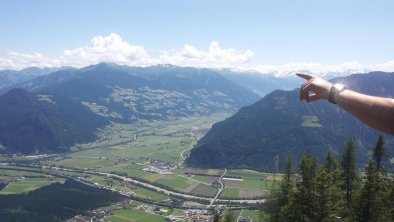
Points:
[318,87]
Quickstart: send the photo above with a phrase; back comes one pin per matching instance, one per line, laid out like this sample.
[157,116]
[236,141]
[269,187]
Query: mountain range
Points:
[126,94]
[261,136]
[8,78]
[261,83]
[51,112]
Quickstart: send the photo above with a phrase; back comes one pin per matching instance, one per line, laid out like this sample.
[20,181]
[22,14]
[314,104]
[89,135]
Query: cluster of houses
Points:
[160,167]
[153,169]
[199,215]
[244,219]
[37,157]
[98,215]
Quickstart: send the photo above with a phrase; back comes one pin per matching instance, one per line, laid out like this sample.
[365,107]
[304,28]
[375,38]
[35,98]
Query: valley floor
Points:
[144,163]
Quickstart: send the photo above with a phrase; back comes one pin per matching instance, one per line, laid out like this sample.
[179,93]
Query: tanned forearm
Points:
[376,112]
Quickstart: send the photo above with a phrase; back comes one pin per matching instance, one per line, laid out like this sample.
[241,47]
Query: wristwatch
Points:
[334,91]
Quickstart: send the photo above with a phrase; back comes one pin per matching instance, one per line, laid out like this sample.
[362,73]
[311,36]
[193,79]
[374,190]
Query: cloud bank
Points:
[114,49]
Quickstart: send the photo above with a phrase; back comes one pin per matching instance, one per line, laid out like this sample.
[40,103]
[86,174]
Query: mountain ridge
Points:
[131,93]
[279,125]
[36,123]
[48,117]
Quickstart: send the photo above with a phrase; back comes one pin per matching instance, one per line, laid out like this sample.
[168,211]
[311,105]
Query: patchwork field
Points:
[130,149]
[232,183]
[250,193]
[206,179]
[248,184]
[134,216]
[140,142]
[204,190]
[157,147]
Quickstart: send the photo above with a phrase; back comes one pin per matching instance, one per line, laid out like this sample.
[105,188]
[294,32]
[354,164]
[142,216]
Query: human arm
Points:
[376,112]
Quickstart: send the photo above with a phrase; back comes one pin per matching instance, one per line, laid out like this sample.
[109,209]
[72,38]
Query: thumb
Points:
[313,97]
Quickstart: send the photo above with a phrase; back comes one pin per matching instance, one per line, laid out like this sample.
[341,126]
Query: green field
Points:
[84,162]
[132,170]
[311,121]
[178,170]
[176,182]
[29,184]
[230,193]
[19,172]
[258,184]
[148,194]
[247,174]
[253,184]
[134,216]
[254,215]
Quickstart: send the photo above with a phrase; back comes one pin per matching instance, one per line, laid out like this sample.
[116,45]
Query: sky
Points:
[276,36]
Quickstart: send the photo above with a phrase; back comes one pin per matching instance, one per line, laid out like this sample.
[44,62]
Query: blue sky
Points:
[261,33]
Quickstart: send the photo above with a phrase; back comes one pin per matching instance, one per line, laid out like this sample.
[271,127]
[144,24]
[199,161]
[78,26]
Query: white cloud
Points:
[324,70]
[215,57]
[386,67]
[110,48]
[15,60]
[113,48]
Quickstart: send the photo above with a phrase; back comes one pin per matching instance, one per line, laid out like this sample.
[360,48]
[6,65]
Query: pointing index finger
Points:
[304,76]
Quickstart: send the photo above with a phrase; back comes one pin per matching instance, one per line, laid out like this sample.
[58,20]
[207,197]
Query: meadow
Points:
[23,182]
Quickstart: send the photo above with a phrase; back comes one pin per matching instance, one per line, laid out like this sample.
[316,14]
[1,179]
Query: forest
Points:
[335,190]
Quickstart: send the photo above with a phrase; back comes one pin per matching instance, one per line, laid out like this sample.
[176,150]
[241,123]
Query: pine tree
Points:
[349,172]
[280,197]
[304,206]
[389,199]
[324,181]
[370,203]
[379,153]
[332,167]
[287,184]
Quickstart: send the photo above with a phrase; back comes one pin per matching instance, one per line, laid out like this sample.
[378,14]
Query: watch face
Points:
[339,86]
